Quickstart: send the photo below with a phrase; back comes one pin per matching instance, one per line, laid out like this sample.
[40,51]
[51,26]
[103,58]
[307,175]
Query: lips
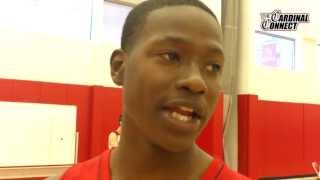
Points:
[182,116]
[183,119]
[185,109]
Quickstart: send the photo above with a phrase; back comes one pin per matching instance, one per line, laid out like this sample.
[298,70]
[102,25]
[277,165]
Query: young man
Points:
[170,65]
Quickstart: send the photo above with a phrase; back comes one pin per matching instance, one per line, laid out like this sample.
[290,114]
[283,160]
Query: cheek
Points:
[144,84]
[155,78]
[213,94]
[132,89]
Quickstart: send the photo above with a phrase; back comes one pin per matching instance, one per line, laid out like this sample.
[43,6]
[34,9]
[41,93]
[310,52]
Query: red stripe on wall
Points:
[54,93]
[26,91]
[81,96]
[6,89]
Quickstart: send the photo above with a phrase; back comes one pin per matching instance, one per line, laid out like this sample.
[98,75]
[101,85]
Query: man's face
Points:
[172,76]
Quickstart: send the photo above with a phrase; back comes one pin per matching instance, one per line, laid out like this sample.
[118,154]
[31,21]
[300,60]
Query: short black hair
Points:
[136,19]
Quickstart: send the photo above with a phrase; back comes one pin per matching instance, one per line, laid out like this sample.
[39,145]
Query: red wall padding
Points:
[211,138]
[98,109]
[311,134]
[277,138]
[106,108]
[81,96]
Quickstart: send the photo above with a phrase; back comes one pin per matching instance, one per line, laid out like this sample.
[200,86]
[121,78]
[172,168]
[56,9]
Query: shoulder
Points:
[84,170]
[227,173]
[220,171]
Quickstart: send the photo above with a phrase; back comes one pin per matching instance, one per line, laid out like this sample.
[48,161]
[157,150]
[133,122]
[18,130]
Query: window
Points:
[66,18]
[275,51]
[113,19]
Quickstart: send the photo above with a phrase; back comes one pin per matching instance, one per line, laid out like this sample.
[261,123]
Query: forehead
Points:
[183,22]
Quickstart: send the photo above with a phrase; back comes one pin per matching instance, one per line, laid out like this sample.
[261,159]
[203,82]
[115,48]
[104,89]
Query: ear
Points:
[117,64]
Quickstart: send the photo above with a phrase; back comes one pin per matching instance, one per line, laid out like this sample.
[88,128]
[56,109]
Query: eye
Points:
[213,68]
[171,56]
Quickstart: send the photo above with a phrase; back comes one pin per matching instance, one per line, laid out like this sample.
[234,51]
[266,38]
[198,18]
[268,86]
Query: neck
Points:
[137,157]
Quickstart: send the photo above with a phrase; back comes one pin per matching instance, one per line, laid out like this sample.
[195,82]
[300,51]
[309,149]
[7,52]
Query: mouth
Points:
[183,117]
[183,113]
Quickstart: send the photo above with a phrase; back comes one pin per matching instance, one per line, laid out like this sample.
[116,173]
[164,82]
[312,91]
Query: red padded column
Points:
[250,132]
[211,138]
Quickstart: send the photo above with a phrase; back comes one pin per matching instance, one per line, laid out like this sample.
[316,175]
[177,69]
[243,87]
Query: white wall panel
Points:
[37,134]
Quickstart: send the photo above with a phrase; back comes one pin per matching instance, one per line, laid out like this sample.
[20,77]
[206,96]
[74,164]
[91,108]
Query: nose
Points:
[192,81]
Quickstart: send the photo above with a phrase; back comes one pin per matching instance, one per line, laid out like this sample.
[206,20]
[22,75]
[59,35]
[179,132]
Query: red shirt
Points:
[98,169]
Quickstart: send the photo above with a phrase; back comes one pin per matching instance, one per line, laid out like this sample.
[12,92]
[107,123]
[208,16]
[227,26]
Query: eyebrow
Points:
[217,48]
[175,39]
[212,47]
